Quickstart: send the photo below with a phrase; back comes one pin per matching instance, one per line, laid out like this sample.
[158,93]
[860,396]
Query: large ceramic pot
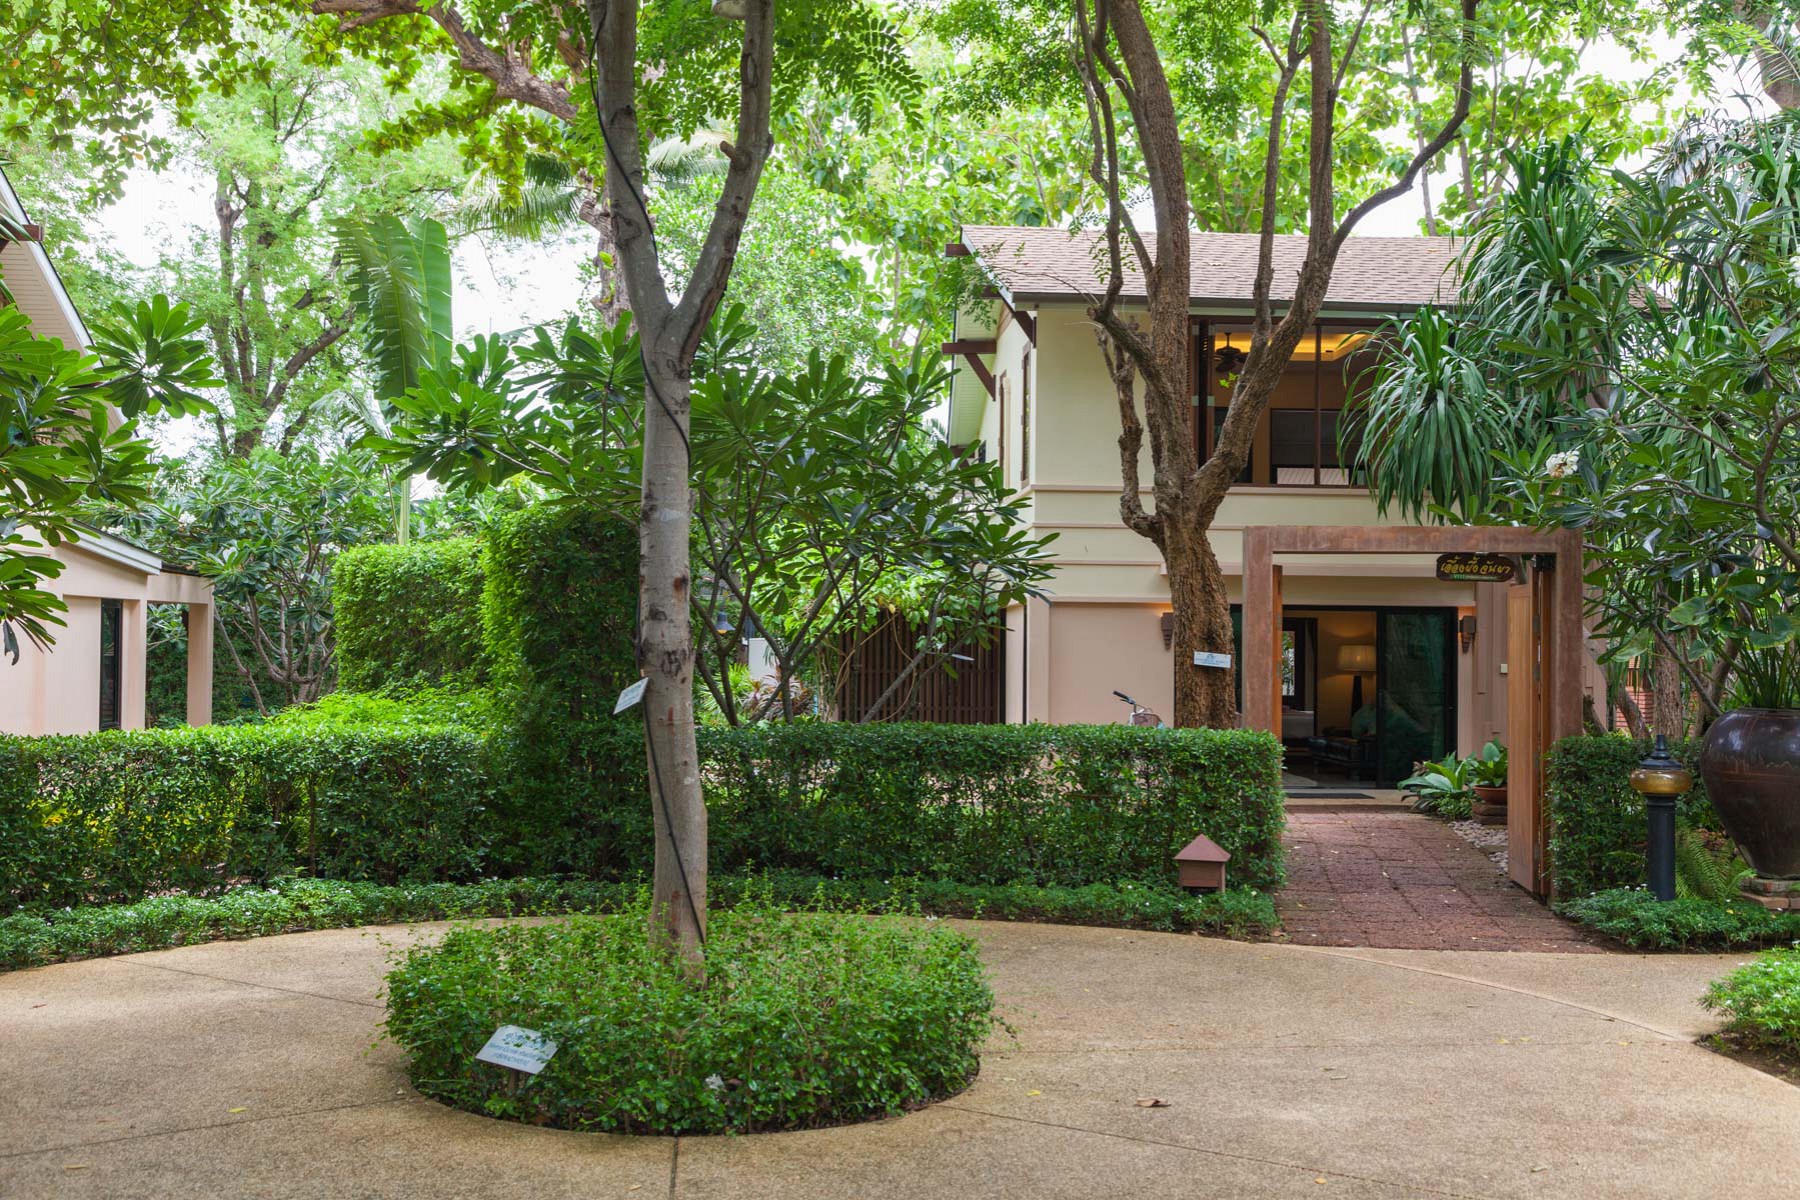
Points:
[1751,764]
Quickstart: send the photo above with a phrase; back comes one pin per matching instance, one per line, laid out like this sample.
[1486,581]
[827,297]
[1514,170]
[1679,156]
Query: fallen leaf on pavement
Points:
[1152,1102]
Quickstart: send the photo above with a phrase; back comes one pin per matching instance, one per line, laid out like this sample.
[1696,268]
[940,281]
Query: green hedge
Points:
[1597,826]
[559,611]
[118,816]
[1052,804]
[123,815]
[408,616]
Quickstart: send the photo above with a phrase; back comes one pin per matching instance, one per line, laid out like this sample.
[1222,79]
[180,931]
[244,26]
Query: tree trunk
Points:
[665,652]
[1204,696]
[1776,65]
[1667,713]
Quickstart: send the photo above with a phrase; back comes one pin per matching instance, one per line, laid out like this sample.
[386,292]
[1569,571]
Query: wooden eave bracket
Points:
[971,350]
[33,233]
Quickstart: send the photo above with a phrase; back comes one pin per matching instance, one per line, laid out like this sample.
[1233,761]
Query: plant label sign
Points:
[631,695]
[1476,568]
[518,1049]
[1206,658]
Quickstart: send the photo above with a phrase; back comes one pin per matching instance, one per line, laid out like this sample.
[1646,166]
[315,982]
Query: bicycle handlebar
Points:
[1124,697]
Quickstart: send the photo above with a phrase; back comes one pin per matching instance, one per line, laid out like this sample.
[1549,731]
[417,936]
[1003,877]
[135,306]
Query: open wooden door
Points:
[1530,682]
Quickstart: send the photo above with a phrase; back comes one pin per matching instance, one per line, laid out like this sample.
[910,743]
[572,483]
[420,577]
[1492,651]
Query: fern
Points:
[1699,873]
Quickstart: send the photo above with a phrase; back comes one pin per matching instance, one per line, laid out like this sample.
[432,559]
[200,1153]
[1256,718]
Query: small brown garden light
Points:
[1659,779]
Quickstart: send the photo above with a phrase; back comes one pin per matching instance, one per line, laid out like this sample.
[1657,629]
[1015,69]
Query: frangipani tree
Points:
[69,439]
[822,500]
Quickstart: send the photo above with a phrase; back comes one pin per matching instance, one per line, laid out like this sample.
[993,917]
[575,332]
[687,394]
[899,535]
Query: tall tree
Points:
[670,329]
[1125,81]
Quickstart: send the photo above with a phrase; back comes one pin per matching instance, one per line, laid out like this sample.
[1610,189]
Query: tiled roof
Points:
[1371,272]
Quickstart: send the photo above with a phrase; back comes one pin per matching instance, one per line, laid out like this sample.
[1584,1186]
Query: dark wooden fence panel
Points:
[975,695]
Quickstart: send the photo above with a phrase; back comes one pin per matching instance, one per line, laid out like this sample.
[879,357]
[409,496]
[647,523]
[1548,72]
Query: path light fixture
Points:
[1659,779]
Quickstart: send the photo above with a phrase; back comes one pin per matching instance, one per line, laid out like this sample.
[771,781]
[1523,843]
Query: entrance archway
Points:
[1545,648]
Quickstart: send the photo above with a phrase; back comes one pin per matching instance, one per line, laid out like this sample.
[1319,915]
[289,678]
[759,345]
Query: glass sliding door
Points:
[1415,705]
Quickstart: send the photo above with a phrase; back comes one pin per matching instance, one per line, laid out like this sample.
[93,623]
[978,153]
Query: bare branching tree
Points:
[1124,81]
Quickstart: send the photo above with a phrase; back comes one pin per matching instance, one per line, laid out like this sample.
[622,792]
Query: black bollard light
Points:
[1659,779]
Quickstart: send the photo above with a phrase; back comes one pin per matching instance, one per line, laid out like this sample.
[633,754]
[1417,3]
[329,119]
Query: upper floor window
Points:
[1296,442]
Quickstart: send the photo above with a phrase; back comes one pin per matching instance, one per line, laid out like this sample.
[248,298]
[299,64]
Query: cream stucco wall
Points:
[58,690]
[1100,627]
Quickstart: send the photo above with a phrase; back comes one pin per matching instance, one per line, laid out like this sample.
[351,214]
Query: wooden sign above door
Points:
[1477,568]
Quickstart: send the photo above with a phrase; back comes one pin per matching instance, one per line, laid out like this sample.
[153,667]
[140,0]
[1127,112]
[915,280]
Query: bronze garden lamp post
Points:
[1659,779]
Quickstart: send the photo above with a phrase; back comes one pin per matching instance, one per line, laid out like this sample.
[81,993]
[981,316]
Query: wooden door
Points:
[1530,682]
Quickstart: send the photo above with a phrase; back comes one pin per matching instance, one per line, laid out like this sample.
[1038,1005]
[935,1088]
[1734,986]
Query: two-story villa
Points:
[1383,664]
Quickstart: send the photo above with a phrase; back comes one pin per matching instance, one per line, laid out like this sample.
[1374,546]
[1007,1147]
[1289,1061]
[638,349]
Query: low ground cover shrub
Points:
[1761,1002]
[292,905]
[1637,918]
[804,1020]
[1597,825]
[120,816]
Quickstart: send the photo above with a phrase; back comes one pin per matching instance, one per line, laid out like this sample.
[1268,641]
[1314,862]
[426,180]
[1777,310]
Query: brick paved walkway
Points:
[1393,878]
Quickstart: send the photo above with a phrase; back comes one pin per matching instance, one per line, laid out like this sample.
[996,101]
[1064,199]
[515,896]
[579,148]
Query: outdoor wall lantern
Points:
[1465,632]
[1659,779]
[1168,629]
[1356,660]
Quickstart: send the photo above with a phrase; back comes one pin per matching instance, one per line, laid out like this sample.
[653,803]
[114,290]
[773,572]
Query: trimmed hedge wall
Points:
[122,815]
[559,611]
[118,816]
[408,616]
[1597,825]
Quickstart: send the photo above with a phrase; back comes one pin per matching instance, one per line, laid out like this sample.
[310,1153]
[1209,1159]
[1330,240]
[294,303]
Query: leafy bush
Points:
[289,905]
[559,611]
[1761,1001]
[1637,918]
[1059,805]
[804,1020]
[1447,787]
[1597,824]
[559,616]
[408,616]
[123,815]
[119,816]
[423,708]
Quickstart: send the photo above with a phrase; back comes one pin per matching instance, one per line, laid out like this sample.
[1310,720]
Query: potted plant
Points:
[1751,762]
[1441,787]
[1487,779]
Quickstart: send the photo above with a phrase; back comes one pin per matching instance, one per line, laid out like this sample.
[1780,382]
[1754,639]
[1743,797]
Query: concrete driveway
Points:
[255,1069]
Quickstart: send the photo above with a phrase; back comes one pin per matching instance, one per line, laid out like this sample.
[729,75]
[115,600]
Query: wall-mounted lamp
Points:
[1465,632]
[1168,630]
[1357,660]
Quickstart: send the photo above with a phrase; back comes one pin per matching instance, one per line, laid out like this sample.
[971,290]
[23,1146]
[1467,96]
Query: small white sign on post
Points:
[631,695]
[1206,658]
[517,1048]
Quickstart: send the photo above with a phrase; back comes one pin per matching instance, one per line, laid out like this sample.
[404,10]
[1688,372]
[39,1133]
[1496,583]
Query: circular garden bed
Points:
[804,1020]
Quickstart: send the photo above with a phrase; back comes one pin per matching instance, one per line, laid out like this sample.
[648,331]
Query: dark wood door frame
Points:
[1558,644]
